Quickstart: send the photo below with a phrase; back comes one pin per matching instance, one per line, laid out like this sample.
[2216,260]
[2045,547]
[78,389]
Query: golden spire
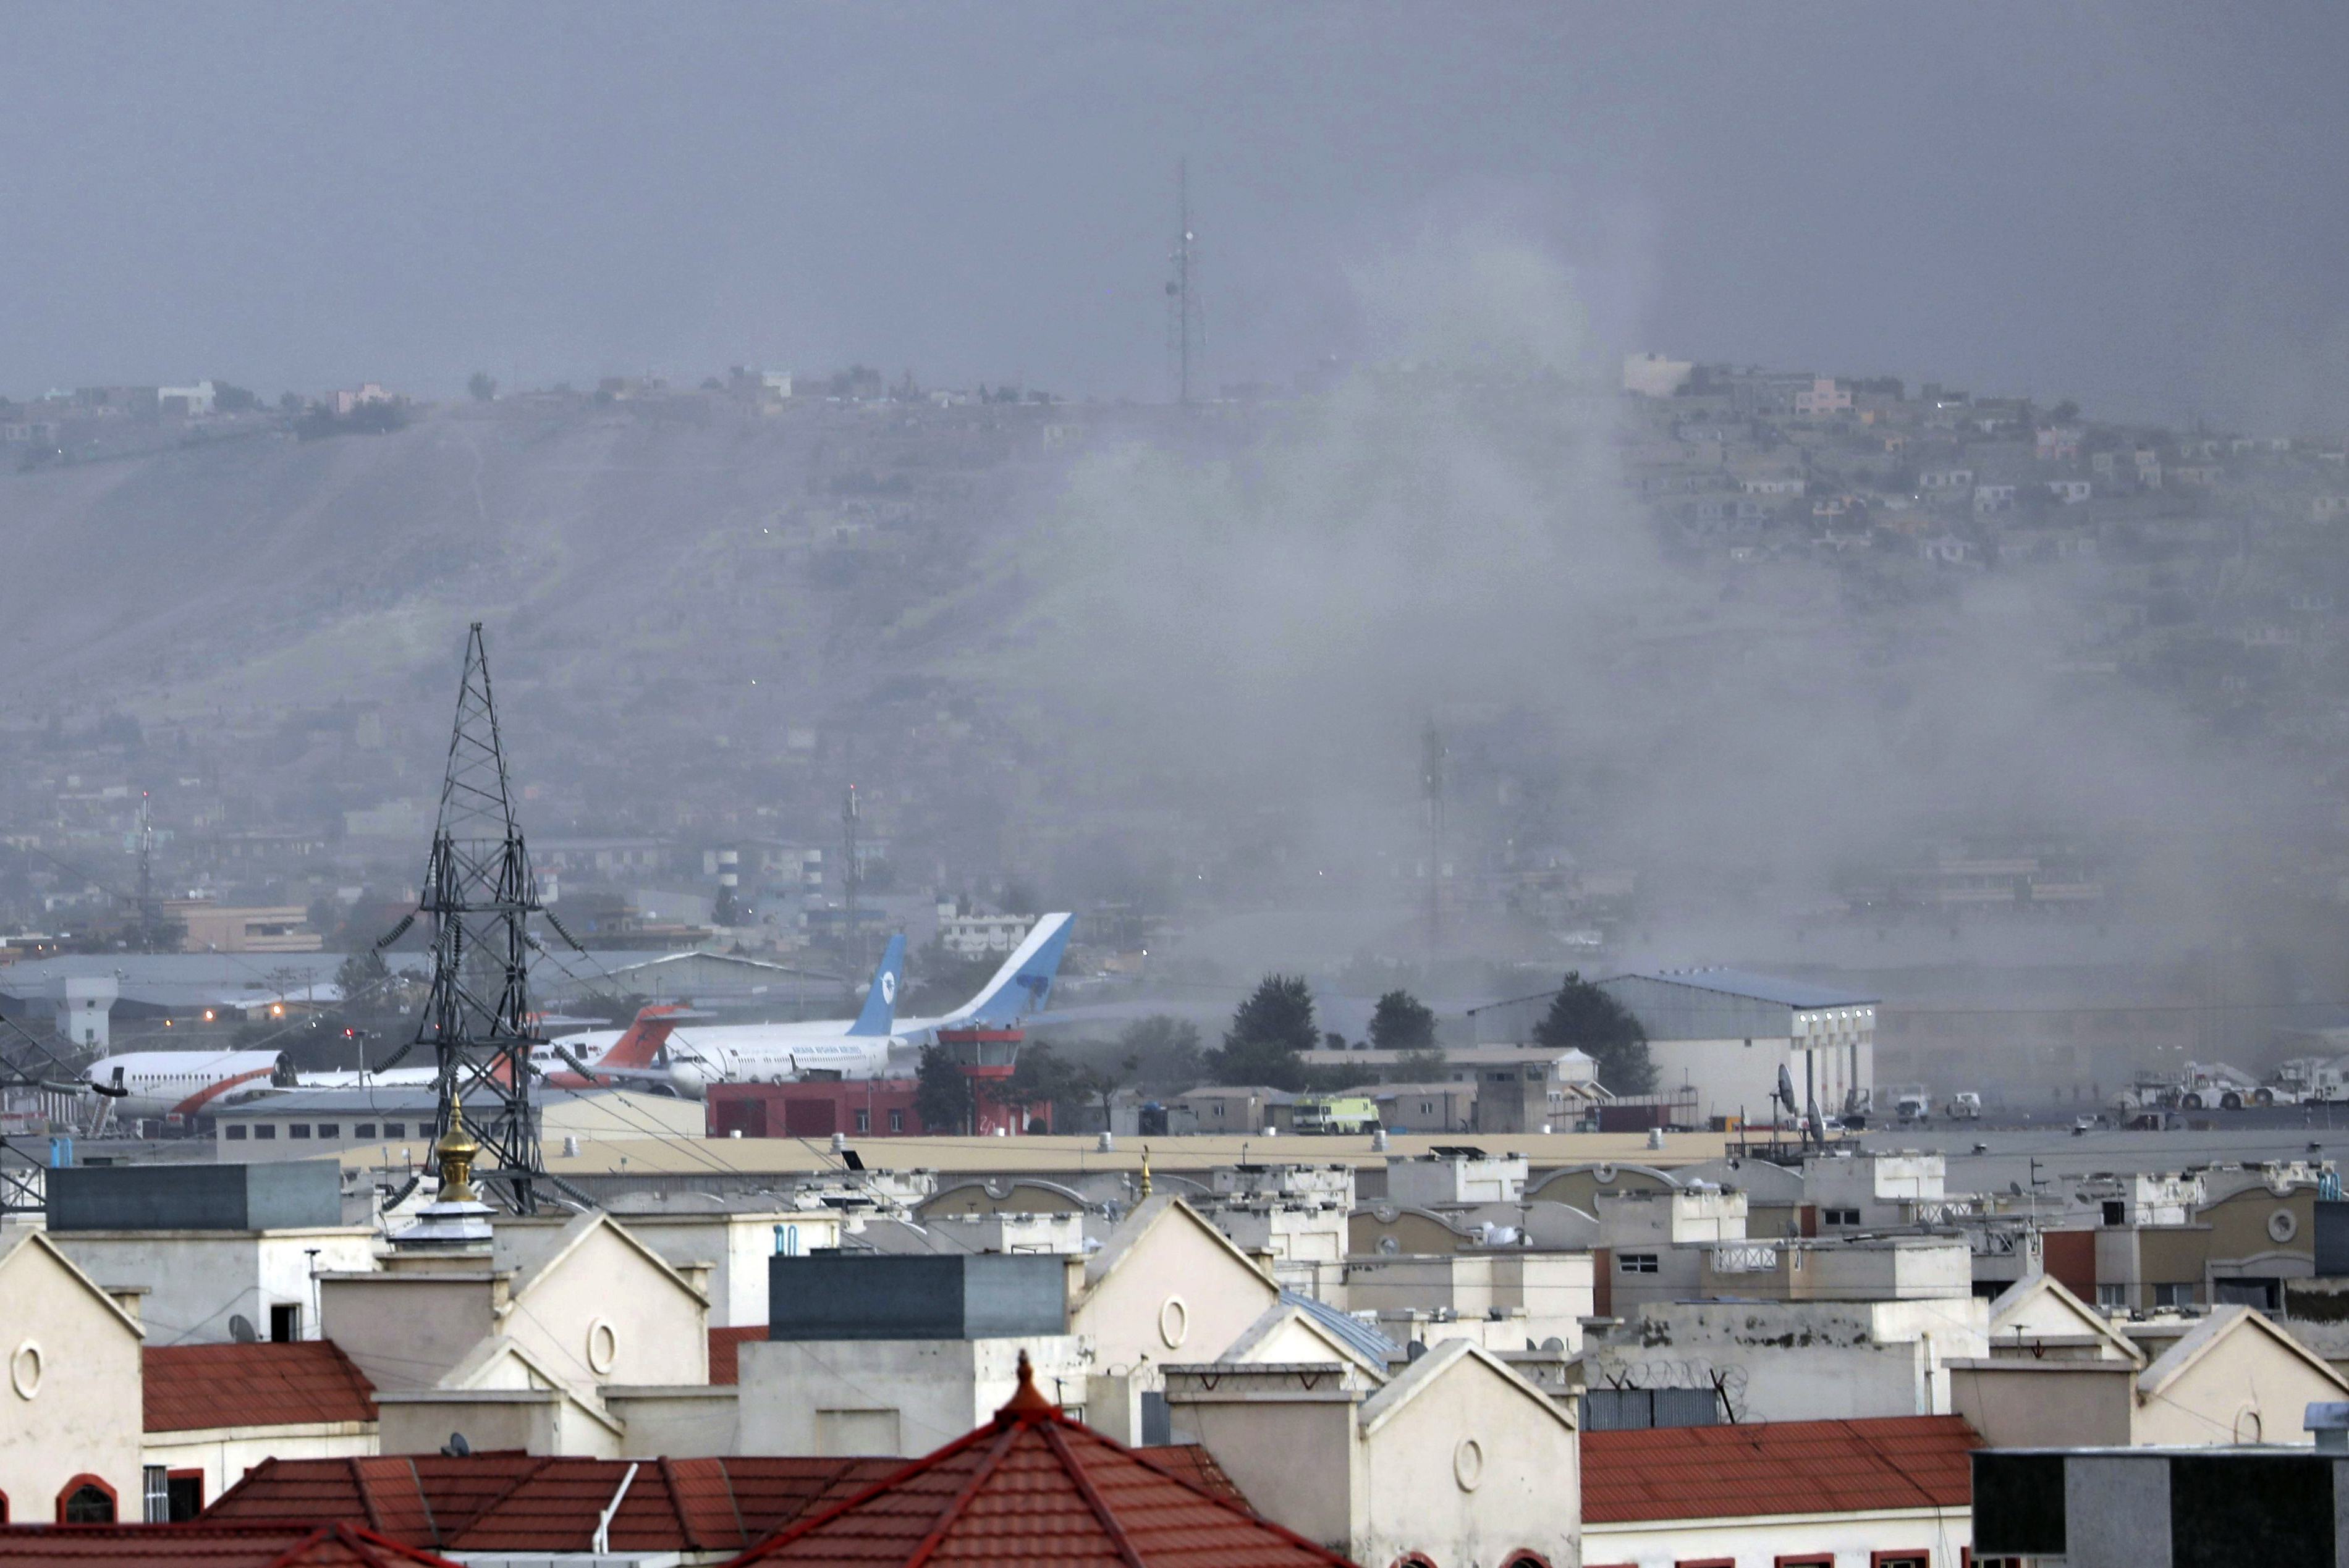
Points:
[1145,1172]
[454,1154]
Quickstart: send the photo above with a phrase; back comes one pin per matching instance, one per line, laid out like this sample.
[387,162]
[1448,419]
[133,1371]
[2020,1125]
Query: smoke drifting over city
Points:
[1614,409]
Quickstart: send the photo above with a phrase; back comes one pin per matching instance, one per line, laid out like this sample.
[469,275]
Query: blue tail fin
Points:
[1024,984]
[880,1014]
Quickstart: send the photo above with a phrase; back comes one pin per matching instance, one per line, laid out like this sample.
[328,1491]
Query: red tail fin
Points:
[643,1040]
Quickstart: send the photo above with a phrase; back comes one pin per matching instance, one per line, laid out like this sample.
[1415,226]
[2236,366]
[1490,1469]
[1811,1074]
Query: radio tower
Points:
[1186,327]
[1431,783]
[852,879]
[479,895]
[151,914]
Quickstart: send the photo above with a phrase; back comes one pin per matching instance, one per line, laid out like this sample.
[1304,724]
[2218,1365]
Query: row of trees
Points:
[1272,1030]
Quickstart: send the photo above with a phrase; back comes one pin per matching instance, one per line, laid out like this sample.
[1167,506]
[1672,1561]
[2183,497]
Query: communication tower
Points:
[1431,783]
[1187,324]
[479,895]
[851,880]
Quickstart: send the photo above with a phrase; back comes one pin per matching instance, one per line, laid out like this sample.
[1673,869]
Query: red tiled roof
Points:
[207,1545]
[191,1387]
[726,1351]
[1776,1467]
[1192,1462]
[1034,1486]
[525,1502]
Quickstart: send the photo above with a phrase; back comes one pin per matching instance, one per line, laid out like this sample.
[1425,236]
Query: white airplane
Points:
[180,1083]
[873,1044]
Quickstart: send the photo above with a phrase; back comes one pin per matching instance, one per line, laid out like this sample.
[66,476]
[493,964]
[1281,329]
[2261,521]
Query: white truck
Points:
[1965,1105]
[1912,1104]
[2303,1080]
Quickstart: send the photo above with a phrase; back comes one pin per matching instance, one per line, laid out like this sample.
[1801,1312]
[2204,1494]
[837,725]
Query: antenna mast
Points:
[851,880]
[478,894]
[151,917]
[1431,783]
[1186,326]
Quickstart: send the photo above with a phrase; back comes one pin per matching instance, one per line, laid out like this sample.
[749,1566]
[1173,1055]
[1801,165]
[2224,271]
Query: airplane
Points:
[875,1044]
[180,1083]
[854,1047]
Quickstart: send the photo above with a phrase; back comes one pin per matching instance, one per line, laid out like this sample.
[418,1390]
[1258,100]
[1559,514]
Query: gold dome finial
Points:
[454,1154]
[1145,1172]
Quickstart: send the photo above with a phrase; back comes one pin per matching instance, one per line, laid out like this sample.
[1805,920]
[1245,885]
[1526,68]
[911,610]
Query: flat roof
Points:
[1805,995]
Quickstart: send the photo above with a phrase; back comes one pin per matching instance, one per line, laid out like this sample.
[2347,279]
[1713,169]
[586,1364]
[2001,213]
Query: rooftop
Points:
[1034,1486]
[1777,1467]
[195,1387]
[278,1544]
[1802,993]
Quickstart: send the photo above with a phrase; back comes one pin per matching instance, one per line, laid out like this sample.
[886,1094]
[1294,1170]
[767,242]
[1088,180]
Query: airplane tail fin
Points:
[879,1014]
[643,1039]
[1024,984]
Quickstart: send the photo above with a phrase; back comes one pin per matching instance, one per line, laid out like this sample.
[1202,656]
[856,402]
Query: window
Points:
[896,1122]
[86,1500]
[297,1130]
[233,1132]
[2115,1212]
[264,1131]
[330,1130]
[1839,1216]
[395,1129]
[1811,1559]
[1636,1263]
[2112,1295]
[285,1322]
[363,1129]
[864,1121]
[186,1491]
[155,1487]
[1911,1558]
[2174,1294]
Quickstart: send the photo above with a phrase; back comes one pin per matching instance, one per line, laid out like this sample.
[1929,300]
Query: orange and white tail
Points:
[643,1040]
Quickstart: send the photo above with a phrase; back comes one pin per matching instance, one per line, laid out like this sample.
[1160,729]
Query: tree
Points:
[1269,1032]
[228,398]
[1583,1017]
[1165,1051]
[361,979]
[1421,1066]
[1402,1022]
[482,386]
[942,1096]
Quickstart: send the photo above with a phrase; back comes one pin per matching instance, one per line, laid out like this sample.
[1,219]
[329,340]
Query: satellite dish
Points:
[1417,1349]
[1554,1344]
[1785,1087]
[456,1448]
[1389,1245]
[2014,1188]
[240,1328]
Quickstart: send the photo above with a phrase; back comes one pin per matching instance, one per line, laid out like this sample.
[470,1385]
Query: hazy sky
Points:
[2137,205]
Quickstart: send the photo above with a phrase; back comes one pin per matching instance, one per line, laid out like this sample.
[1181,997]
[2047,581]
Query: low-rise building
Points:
[214,1411]
[70,1410]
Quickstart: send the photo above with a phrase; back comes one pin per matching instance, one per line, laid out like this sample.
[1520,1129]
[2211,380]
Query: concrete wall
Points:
[1295,1459]
[407,1331]
[182,1197]
[539,1422]
[198,1279]
[604,1314]
[2247,1389]
[70,1388]
[1471,1469]
[738,1246]
[1805,1361]
[2017,1404]
[1850,1540]
[1180,1295]
[814,1397]
[224,1454]
[677,1423]
[833,1295]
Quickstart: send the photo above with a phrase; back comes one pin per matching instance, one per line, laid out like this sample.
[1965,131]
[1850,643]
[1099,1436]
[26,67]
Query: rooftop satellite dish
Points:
[1785,1087]
[1553,1345]
[456,1448]
[1418,1348]
[2014,1188]
[240,1328]
[1389,1245]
